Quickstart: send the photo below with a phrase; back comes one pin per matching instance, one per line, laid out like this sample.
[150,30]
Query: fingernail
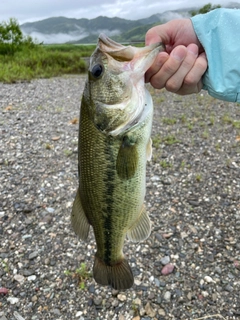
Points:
[193,50]
[179,54]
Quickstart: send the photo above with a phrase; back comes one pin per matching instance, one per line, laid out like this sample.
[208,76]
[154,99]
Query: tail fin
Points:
[119,276]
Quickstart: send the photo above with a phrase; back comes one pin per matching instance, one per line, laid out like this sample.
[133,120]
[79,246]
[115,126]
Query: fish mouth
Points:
[127,53]
[109,43]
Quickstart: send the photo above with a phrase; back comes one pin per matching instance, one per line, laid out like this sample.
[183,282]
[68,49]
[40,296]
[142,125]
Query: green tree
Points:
[12,38]
[208,7]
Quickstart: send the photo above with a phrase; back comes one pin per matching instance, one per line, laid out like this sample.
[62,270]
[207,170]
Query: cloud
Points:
[57,38]
[28,10]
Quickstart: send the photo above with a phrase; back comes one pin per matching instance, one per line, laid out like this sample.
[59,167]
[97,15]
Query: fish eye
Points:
[97,71]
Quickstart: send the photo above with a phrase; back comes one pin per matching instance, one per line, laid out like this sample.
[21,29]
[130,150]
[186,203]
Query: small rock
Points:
[91,288]
[151,279]
[34,298]
[18,316]
[32,278]
[115,303]
[161,312]
[167,181]
[55,138]
[57,312]
[228,288]
[167,296]
[208,279]
[157,282]
[218,270]
[12,300]
[115,292]
[165,260]
[142,311]
[137,301]
[194,203]
[149,310]
[97,301]
[33,255]
[189,296]
[167,269]
[137,282]
[19,278]
[155,178]
[136,318]
[214,297]
[162,284]
[121,297]
[236,263]
[90,302]
[205,294]
[50,210]
[78,314]
[3,290]
[27,272]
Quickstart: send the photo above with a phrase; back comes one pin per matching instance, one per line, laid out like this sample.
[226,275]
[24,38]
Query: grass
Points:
[169,121]
[67,152]
[81,273]
[198,177]
[170,139]
[5,266]
[43,62]
[165,164]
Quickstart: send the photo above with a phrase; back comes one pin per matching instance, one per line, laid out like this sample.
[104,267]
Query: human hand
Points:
[182,66]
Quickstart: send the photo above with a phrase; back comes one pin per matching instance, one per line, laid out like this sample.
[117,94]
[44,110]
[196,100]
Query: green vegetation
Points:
[82,274]
[165,164]
[226,119]
[4,266]
[169,121]
[22,59]
[67,152]
[208,7]
[198,177]
[12,39]
[170,139]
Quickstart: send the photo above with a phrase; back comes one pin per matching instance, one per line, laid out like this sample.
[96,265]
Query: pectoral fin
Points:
[141,229]
[149,150]
[79,220]
[127,159]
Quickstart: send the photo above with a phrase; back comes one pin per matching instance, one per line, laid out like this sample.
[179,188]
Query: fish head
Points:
[115,89]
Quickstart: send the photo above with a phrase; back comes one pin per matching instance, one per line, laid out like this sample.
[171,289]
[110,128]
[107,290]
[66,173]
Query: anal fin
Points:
[119,275]
[79,220]
[141,229]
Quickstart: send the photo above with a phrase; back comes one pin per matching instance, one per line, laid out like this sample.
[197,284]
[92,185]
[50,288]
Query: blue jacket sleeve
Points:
[219,33]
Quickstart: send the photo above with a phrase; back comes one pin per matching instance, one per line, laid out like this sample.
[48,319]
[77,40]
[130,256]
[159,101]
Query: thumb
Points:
[152,37]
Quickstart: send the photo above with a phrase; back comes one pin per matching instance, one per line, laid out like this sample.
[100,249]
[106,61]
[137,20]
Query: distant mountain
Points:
[62,29]
[70,30]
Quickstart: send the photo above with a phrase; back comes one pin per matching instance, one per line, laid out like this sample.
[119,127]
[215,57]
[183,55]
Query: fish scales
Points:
[114,145]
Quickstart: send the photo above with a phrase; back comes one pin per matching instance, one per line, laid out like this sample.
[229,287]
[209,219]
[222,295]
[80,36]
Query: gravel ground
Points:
[188,268]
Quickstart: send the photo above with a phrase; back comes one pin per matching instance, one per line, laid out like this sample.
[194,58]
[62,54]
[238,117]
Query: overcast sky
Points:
[29,10]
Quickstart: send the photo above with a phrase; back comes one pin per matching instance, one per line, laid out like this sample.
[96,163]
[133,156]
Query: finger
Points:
[175,82]
[156,66]
[193,80]
[169,68]
[196,73]
[153,36]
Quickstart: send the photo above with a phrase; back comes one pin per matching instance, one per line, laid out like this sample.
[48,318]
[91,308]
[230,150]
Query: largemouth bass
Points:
[114,146]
